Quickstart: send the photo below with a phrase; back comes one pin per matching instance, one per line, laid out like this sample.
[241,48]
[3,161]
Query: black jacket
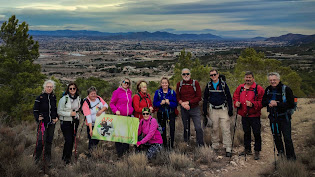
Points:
[217,98]
[281,106]
[45,104]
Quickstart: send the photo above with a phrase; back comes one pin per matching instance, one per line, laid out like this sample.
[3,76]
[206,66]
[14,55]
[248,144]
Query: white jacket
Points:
[66,106]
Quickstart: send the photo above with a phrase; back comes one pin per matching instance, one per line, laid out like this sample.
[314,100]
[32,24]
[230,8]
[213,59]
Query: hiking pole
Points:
[274,136]
[169,128]
[43,145]
[234,133]
[75,141]
[38,130]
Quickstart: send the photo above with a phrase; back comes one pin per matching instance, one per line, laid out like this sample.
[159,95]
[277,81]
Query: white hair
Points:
[185,69]
[273,74]
[49,81]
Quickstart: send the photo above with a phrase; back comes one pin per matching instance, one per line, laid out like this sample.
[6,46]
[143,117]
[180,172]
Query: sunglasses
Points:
[125,82]
[145,113]
[212,75]
[72,88]
[185,74]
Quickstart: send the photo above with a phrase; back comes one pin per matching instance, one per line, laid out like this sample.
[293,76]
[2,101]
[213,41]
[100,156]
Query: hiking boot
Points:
[256,155]
[228,154]
[246,152]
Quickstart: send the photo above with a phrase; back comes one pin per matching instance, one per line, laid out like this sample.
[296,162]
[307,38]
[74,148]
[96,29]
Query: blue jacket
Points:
[217,98]
[159,96]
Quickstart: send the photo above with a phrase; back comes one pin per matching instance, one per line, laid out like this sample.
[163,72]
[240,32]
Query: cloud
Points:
[256,17]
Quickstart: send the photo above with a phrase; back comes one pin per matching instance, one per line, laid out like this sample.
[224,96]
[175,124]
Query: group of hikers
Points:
[248,99]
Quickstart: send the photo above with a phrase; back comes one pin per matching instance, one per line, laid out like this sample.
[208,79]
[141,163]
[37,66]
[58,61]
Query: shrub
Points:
[204,155]
[290,168]
[179,161]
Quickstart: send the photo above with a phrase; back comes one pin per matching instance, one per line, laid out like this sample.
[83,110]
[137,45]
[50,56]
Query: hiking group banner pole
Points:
[234,133]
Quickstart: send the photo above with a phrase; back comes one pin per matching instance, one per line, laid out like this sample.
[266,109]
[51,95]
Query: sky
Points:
[227,18]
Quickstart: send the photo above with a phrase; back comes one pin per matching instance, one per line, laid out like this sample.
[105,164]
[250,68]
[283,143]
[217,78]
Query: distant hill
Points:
[294,38]
[158,35]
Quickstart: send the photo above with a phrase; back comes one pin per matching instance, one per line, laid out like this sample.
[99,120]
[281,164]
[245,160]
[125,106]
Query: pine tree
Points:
[20,79]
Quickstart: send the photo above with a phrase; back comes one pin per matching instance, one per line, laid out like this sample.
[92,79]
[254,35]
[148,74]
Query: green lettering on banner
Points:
[116,128]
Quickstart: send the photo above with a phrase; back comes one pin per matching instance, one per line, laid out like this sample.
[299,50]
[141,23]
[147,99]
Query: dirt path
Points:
[302,122]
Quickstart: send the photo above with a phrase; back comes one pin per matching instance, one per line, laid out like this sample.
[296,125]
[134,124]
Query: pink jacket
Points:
[122,101]
[149,128]
[86,109]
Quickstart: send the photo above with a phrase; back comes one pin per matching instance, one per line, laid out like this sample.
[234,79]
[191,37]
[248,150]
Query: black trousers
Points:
[252,123]
[69,130]
[282,127]
[48,137]
[92,142]
[163,118]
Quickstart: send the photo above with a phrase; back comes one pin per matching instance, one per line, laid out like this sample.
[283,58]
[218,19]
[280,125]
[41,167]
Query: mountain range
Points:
[290,38]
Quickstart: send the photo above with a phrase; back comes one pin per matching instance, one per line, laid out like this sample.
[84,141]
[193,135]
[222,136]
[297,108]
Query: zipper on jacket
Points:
[127,104]
[49,106]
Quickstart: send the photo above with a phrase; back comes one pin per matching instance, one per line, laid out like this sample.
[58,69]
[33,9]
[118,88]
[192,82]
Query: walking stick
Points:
[234,133]
[38,130]
[274,135]
[43,149]
[169,128]
[75,141]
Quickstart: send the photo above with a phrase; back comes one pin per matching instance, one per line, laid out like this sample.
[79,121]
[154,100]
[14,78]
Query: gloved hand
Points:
[230,113]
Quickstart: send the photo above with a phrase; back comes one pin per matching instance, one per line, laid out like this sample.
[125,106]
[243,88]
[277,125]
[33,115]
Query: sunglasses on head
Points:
[212,75]
[72,88]
[145,113]
[185,74]
[125,82]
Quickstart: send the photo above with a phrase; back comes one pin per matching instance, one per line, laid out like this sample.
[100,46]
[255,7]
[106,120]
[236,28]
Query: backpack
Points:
[160,129]
[284,99]
[255,91]
[193,85]
[88,102]
[222,79]
[148,96]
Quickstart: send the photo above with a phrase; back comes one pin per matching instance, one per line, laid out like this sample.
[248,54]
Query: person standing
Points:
[45,113]
[141,100]
[247,99]
[92,107]
[188,95]
[165,101]
[279,100]
[121,104]
[68,111]
[217,94]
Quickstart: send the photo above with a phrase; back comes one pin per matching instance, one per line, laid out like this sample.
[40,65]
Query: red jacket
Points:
[249,94]
[187,93]
[138,106]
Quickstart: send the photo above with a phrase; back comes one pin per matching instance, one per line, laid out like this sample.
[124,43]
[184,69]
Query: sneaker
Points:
[256,155]
[246,152]
[228,154]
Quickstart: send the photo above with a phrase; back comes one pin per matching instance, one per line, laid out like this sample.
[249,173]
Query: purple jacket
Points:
[149,128]
[122,101]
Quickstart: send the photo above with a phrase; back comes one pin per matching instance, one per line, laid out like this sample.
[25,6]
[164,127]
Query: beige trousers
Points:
[220,116]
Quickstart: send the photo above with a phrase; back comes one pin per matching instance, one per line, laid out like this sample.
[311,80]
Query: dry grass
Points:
[204,155]
[179,161]
[290,168]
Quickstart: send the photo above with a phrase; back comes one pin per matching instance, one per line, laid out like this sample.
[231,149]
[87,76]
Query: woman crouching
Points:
[149,136]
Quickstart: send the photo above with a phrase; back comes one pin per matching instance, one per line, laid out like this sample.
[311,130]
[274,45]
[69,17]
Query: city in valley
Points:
[70,58]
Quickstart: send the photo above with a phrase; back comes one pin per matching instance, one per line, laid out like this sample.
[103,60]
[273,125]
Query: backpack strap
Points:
[194,85]
[180,85]
[284,98]
[66,99]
